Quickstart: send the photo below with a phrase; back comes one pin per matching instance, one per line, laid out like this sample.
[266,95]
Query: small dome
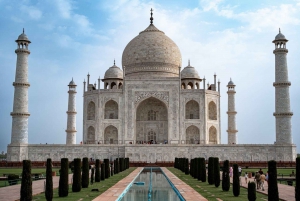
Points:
[230,82]
[189,72]
[114,72]
[23,37]
[72,82]
[280,36]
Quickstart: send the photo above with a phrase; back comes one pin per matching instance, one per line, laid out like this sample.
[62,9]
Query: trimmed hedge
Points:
[97,175]
[225,176]
[203,169]
[26,185]
[236,181]
[251,191]
[217,172]
[107,171]
[92,175]
[49,181]
[297,187]
[210,170]
[102,171]
[272,182]
[85,173]
[186,166]
[63,188]
[76,186]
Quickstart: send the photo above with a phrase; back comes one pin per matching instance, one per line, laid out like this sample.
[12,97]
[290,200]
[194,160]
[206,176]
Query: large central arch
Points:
[152,121]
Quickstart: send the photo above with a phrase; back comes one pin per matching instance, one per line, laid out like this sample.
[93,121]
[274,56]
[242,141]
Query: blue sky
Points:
[71,38]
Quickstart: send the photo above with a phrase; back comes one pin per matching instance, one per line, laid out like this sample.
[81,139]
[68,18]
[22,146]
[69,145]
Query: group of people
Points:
[259,178]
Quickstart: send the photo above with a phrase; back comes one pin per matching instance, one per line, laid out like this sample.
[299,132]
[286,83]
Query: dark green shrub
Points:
[251,191]
[102,171]
[97,175]
[92,175]
[225,176]
[217,172]
[63,188]
[13,179]
[107,172]
[76,186]
[71,166]
[118,165]
[175,162]
[297,187]
[211,171]
[112,169]
[49,181]
[203,169]
[272,182]
[186,167]
[85,173]
[198,168]
[26,185]
[236,181]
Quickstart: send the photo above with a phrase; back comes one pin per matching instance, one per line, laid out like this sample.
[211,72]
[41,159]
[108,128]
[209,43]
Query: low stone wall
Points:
[152,153]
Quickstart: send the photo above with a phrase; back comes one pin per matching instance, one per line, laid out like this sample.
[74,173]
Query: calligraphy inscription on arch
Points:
[142,95]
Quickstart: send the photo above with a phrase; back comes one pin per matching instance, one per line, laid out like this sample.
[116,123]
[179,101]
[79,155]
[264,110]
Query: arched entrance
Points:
[111,135]
[192,135]
[152,121]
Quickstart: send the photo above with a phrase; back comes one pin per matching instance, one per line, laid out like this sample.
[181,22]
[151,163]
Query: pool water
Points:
[156,187]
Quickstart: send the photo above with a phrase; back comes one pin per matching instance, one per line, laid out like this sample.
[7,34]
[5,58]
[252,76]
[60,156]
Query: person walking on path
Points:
[240,171]
[230,172]
[246,177]
[257,179]
[262,181]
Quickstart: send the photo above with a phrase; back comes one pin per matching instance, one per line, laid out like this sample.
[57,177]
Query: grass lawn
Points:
[210,192]
[284,171]
[86,193]
[18,171]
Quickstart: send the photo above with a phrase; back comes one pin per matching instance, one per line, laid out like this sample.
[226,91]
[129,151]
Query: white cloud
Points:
[208,5]
[64,7]
[32,11]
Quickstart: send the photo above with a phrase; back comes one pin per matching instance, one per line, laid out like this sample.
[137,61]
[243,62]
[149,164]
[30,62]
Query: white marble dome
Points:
[189,72]
[151,53]
[114,72]
[280,36]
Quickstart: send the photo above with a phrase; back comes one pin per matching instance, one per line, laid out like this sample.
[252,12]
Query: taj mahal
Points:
[151,109]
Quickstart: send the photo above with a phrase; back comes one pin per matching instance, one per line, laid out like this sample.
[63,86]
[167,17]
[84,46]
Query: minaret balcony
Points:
[282,114]
[280,84]
[280,50]
[20,50]
[26,114]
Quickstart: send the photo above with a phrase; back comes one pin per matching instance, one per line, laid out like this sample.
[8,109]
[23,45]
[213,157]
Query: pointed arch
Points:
[212,135]
[192,135]
[111,135]
[192,110]
[183,85]
[91,111]
[111,110]
[120,85]
[190,85]
[91,135]
[212,110]
[113,85]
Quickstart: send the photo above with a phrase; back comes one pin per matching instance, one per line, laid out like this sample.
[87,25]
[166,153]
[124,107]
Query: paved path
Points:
[185,190]
[10,193]
[113,192]
[285,192]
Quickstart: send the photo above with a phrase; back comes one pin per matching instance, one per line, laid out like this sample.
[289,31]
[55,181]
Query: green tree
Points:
[97,175]
[217,172]
[102,171]
[225,176]
[297,187]
[211,171]
[63,188]
[49,181]
[26,185]
[236,181]
[85,173]
[272,182]
[251,191]
[76,186]
[186,167]
[203,169]
[92,175]
[107,172]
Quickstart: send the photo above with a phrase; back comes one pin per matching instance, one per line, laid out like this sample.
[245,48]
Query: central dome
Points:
[151,53]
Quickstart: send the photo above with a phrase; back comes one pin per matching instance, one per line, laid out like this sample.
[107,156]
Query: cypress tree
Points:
[297,187]
[85,173]
[112,169]
[63,188]
[211,171]
[118,165]
[251,191]
[186,169]
[76,186]
[203,169]
[225,176]
[175,163]
[92,175]
[97,175]
[107,172]
[102,171]
[26,185]
[198,168]
[49,181]
[236,181]
[272,182]
[217,172]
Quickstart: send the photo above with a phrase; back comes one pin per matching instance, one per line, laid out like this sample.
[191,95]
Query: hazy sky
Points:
[71,38]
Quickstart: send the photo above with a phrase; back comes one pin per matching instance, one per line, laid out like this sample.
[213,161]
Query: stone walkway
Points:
[113,192]
[10,193]
[185,190]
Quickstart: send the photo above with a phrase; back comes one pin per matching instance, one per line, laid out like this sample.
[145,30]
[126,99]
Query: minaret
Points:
[282,112]
[71,123]
[20,114]
[231,114]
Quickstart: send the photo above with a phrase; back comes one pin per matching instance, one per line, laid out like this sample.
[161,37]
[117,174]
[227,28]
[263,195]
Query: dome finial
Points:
[189,63]
[279,30]
[151,18]
[114,62]
[23,31]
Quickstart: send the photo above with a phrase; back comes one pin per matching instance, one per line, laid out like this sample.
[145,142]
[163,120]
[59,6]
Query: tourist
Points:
[257,179]
[267,177]
[230,172]
[240,170]
[262,181]
[260,171]
[246,177]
